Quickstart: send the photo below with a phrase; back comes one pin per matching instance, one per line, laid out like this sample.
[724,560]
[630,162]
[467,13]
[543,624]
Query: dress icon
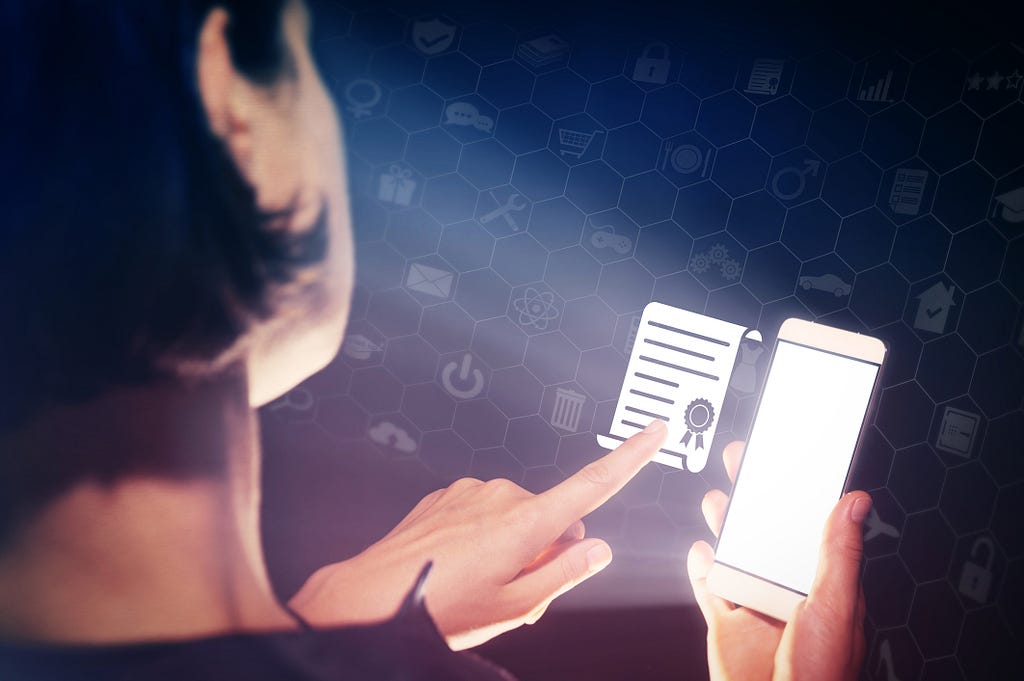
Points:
[744,377]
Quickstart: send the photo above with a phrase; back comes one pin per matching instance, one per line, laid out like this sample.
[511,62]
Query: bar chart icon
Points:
[567,409]
[877,91]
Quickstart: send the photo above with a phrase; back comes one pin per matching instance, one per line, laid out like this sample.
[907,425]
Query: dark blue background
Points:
[733,239]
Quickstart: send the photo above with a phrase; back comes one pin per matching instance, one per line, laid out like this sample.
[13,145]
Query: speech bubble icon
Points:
[485,123]
[461,113]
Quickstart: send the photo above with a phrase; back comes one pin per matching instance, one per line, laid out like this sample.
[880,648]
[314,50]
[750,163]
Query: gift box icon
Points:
[396,186]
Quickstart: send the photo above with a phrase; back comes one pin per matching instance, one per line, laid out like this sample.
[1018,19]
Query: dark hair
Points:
[129,241]
[130,245]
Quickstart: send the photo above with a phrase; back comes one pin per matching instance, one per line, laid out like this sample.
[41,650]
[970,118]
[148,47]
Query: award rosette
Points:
[698,417]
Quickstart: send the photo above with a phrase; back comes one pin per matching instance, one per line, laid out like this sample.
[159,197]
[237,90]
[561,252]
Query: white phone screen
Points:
[795,465]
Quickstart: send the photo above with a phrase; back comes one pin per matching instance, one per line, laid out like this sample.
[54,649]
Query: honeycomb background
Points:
[789,185]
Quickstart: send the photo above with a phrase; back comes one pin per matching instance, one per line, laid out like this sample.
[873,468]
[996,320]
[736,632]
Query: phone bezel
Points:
[744,588]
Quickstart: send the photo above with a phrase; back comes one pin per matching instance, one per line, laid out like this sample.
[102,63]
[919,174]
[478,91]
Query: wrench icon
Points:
[504,210]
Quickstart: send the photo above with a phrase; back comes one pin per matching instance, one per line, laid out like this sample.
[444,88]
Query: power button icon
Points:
[461,380]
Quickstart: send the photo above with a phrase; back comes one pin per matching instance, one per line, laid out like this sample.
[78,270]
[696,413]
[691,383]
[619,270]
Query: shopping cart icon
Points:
[574,142]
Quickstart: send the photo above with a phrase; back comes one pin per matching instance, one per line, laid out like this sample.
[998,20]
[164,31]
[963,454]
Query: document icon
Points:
[907,191]
[678,372]
[765,76]
[429,280]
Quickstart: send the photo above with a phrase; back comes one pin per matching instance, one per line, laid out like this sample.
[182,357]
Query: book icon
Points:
[543,51]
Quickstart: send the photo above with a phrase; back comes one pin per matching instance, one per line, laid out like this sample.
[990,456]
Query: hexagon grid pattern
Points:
[521,190]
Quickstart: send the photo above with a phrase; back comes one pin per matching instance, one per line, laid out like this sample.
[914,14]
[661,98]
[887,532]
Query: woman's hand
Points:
[501,554]
[824,640]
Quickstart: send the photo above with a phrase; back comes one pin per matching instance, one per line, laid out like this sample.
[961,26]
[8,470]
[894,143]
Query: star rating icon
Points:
[995,81]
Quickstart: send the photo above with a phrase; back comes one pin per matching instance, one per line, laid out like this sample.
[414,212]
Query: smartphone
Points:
[817,395]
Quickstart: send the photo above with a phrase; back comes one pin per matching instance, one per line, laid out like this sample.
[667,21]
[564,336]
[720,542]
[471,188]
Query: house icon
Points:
[933,307]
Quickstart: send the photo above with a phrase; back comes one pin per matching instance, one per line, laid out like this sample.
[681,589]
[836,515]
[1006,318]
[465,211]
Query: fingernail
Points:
[655,427]
[598,556]
[859,510]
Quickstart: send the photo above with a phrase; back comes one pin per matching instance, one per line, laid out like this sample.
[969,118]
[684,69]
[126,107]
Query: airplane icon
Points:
[876,527]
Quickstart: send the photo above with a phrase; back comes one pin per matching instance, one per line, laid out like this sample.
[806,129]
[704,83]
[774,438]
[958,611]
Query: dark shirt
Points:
[407,647]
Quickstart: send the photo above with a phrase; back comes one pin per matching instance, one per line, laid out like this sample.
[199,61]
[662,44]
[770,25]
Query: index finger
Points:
[596,482]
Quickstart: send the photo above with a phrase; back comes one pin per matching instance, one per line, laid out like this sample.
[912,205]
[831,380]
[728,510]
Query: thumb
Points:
[560,569]
[835,585]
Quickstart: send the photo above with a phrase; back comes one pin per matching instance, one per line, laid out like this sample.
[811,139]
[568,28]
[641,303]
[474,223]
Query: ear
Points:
[222,89]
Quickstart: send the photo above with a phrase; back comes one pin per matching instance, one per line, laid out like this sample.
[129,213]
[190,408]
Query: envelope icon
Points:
[429,280]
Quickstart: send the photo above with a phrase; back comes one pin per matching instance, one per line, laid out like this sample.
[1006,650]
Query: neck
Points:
[153,550]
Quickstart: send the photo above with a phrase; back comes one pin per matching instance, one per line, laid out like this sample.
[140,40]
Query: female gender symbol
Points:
[362,106]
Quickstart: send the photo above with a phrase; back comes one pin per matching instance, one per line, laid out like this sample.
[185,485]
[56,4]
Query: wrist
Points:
[345,594]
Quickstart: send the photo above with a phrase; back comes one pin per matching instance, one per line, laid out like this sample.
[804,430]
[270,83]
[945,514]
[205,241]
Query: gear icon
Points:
[731,269]
[719,253]
[699,263]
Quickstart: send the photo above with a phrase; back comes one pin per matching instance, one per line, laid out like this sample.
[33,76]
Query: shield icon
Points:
[433,36]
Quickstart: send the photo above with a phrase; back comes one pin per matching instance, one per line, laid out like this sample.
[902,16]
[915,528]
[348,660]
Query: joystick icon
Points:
[605,239]
[606,236]
[469,389]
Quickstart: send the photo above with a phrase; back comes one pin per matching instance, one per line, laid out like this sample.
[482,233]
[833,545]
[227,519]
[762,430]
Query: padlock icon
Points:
[652,65]
[976,577]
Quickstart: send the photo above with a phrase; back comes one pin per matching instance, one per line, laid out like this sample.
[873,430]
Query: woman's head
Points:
[174,209]
[174,199]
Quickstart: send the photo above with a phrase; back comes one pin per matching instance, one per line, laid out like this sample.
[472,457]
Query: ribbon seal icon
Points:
[699,416]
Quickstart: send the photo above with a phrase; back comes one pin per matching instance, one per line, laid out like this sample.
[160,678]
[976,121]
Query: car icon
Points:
[826,282]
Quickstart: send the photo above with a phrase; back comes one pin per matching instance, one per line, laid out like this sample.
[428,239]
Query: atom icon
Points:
[536,308]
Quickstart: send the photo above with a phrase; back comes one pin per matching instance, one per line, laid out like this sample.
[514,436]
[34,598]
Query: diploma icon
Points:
[678,371]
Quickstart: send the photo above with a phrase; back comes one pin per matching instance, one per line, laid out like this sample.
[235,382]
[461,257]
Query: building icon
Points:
[933,307]
[957,432]
[567,409]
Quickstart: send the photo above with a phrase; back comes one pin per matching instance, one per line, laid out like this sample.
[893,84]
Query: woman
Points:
[176,253]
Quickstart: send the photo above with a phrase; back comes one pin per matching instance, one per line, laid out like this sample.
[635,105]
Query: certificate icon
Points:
[679,367]
[765,76]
